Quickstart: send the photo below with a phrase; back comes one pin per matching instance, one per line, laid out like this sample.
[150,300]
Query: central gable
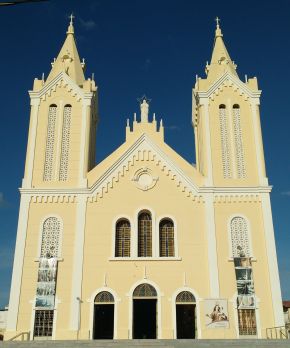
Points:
[108,173]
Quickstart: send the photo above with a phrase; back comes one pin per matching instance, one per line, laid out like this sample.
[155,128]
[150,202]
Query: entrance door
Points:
[103,321]
[144,318]
[185,320]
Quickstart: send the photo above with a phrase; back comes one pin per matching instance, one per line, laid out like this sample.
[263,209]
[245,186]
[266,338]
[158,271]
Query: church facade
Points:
[144,244]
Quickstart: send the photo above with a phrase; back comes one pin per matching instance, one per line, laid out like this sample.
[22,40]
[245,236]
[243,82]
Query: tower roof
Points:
[220,59]
[68,59]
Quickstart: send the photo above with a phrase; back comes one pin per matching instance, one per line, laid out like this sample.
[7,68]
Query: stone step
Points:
[244,343]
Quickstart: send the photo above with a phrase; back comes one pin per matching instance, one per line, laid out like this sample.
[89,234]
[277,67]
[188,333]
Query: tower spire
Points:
[220,60]
[68,59]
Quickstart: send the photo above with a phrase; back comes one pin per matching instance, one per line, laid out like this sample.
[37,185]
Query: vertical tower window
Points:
[225,144]
[239,152]
[239,237]
[166,238]
[144,234]
[50,238]
[65,140]
[122,241]
[244,276]
[50,140]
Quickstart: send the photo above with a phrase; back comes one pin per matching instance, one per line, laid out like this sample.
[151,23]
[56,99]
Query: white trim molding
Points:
[77,275]
[272,261]
[212,247]
[18,264]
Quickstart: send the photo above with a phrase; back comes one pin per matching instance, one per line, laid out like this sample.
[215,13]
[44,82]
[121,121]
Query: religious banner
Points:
[216,313]
[46,283]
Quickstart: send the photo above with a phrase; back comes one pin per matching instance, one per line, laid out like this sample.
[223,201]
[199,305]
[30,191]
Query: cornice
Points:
[228,79]
[61,78]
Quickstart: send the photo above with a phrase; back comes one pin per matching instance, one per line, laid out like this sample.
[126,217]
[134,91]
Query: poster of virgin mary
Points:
[216,313]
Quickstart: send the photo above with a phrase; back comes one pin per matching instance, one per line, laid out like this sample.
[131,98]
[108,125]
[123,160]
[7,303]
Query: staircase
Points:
[242,343]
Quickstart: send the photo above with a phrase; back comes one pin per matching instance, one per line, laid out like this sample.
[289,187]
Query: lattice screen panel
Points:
[104,297]
[65,142]
[185,297]
[50,238]
[43,323]
[240,237]
[225,144]
[50,140]
[241,171]
[247,322]
[145,290]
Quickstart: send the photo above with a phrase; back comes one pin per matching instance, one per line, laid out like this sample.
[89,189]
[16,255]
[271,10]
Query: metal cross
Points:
[72,17]
[140,100]
[217,21]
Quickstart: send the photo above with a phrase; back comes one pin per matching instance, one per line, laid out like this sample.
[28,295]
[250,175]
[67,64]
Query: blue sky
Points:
[145,47]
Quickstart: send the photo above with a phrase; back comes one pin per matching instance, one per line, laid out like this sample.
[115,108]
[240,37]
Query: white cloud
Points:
[285,193]
[87,24]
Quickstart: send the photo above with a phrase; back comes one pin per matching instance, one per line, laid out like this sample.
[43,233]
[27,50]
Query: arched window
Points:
[50,238]
[240,237]
[185,297]
[239,151]
[144,290]
[104,297]
[65,140]
[50,140]
[122,241]
[144,234]
[225,143]
[166,238]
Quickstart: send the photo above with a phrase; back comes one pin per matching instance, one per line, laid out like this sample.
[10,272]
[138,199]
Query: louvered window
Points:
[247,322]
[166,238]
[50,144]
[122,243]
[144,234]
[43,323]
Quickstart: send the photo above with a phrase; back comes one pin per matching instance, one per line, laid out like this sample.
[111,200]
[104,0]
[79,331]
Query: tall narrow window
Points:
[49,150]
[63,170]
[239,152]
[246,302]
[46,278]
[166,238]
[144,234]
[50,238]
[239,237]
[225,144]
[122,241]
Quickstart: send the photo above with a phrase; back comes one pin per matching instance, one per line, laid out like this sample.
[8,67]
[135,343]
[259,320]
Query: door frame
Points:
[158,307]
[197,311]
[91,301]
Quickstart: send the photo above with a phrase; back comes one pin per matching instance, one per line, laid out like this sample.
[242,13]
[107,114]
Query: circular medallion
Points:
[144,180]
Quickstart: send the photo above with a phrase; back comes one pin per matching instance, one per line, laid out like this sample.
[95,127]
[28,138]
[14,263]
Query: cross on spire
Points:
[217,22]
[72,17]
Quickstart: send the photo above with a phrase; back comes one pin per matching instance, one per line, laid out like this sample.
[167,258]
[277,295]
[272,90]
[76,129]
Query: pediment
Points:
[145,150]
[229,80]
[61,80]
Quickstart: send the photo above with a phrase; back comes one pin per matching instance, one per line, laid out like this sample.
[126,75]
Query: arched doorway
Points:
[145,312]
[185,315]
[103,316]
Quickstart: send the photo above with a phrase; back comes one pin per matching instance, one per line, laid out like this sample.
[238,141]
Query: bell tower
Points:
[63,121]
[229,149]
